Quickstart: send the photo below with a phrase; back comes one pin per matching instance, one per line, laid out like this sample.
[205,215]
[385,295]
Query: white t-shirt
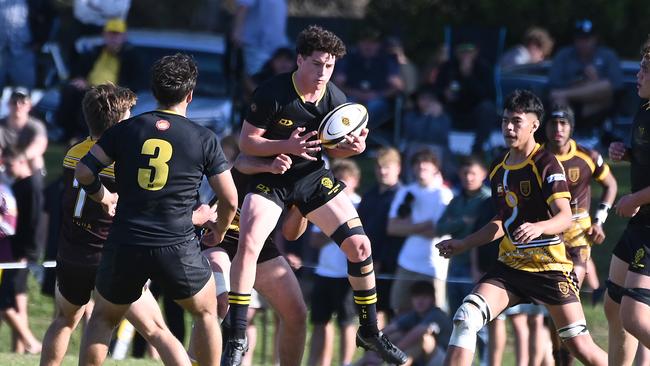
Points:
[332,262]
[418,253]
[98,12]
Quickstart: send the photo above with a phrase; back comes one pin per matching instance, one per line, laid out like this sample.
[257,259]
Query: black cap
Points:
[19,93]
[584,28]
[562,112]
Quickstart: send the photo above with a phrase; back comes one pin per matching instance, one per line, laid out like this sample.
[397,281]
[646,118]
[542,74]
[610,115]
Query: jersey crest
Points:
[574,174]
[524,188]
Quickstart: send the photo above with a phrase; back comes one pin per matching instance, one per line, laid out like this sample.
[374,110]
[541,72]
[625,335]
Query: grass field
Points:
[40,307]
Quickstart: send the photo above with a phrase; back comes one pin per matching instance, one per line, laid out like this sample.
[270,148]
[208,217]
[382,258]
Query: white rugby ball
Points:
[346,119]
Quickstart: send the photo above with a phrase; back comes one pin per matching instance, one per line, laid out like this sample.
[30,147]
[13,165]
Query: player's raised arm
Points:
[87,174]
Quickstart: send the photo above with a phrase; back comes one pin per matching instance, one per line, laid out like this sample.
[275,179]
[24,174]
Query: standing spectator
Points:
[467,89]
[332,292]
[259,29]
[24,245]
[427,124]
[413,214]
[370,76]
[114,62]
[22,132]
[536,47]
[373,211]
[587,76]
[407,69]
[17,59]
[458,221]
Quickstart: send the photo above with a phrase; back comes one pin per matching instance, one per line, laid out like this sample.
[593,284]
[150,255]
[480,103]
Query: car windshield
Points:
[212,77]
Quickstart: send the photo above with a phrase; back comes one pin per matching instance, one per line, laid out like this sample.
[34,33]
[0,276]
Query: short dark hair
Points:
[420,288]
[315,38]
[645,49]
[471,160]
[173,78]
[104,105]
[425,155]
[524,101]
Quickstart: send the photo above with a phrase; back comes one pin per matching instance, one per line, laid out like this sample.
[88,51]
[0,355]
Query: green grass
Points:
[41,307]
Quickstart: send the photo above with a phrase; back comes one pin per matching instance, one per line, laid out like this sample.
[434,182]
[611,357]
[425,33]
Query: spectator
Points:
[467,89]
[587,76]
[370,76]
[259,29]
[332,292]
[413,214]
[17,59]
[536,47]
[373,211]
[24,246]
[428,123]
[458,221]
[423,332]
[115,62]
[22,132]
[407,69]
[282,61]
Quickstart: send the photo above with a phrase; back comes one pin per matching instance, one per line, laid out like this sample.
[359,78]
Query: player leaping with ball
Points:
[283,118]
[530,192]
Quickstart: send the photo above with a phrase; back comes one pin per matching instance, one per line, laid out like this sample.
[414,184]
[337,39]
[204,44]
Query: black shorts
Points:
[634,248]
[180,270]
[548,287]
[329,296]
[75,282]
[8,289]
[306,190]
[269,250]
[579,255]
[20,281]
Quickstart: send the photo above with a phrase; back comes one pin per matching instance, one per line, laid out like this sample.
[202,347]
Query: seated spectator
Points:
[114,62]
[428,123]
[466,86]
[370,76]
[587,76]
[413,214]
[422,332]
[22,132]
[17,58]
[407,69]
[537,45]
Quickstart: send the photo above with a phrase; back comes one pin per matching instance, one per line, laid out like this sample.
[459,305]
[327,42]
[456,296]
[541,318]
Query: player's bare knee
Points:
[470,317]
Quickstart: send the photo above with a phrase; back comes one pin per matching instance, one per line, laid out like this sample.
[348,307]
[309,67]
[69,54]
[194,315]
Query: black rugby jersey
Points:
[640,159]
[278,108]
[160,158]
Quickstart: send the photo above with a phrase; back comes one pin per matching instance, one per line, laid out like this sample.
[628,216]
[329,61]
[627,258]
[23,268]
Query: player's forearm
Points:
[557,224]
[252,164]
[642,197]
[226,210]
[610,188]
[492,231]
[260,146]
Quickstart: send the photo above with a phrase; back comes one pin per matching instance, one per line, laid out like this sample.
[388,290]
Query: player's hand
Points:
[299,146]
[281,164]
[596,233]
[617,151]
[109,202]
[212,237]
[450,247]
[627,206]
[294,261]
[203,214]
[527,232]
[356,144]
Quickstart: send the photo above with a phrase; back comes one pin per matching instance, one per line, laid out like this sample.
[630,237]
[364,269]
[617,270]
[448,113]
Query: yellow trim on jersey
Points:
[300,95]
[169,111]
[537,175]
[494,171]
[604,173]
[646,105]
[78,151]
[587,160]
[523,163]
[558,195]
[572,151]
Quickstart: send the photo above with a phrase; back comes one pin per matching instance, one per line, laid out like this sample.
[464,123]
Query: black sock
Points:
[366,303]
[238,311]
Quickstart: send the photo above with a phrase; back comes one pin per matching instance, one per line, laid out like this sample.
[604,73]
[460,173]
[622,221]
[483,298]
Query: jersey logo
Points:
[511,199]
[162,124]
[253,107]
[499,189]
[574,174]
[638,257]
[564,288]
[285,122]
[524,188]
[555,177]
[327,183]
[262,188]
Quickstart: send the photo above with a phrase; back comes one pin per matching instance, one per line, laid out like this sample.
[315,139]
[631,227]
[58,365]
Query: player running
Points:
[531,195]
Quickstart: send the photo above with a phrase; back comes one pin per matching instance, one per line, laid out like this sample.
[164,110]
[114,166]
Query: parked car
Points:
[212,104]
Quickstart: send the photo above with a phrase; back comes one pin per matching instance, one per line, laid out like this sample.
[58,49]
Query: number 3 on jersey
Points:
[154,176]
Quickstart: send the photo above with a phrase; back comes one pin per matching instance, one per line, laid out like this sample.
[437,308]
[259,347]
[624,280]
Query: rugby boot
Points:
[234,351]
[380,344]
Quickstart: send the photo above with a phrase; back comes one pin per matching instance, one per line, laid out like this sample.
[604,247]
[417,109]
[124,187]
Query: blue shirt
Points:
[567,68]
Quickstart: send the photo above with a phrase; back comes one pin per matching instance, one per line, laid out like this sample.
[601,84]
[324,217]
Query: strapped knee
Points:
[638,294]
[222,283]
[614,291]
[573,330]
[470,317]
[361,269]
[347,229]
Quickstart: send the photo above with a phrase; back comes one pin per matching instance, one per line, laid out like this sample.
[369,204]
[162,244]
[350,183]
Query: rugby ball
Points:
[348,118]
